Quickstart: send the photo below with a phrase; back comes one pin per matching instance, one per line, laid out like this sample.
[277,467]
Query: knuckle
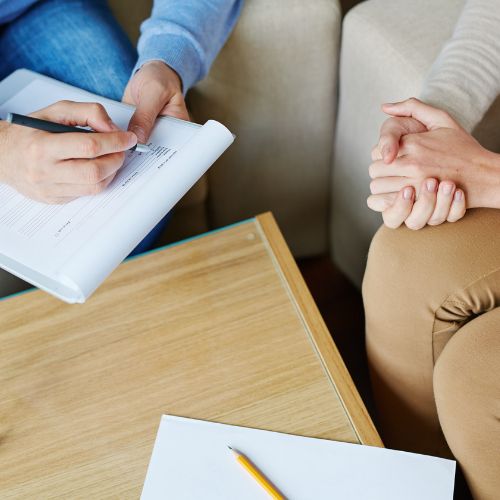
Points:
[145,117]
[61,105]
[444,114]
[90,147]
[95,189]
[390,222]
[371,171]
[34,175]
[116,159]
[94,174]
[417,170]
[36,149]
[97,109]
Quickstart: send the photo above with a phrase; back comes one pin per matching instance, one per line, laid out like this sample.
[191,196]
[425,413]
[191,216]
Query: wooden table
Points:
[220,327]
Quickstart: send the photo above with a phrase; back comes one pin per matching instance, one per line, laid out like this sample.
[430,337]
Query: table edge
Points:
[320,336]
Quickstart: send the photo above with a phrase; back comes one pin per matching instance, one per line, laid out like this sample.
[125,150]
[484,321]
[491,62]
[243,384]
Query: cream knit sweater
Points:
[465,78]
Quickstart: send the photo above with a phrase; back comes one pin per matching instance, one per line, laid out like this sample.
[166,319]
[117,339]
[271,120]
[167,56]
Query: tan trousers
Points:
[432,302]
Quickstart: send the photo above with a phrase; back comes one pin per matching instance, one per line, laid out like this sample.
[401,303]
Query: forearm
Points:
[465,79]
[187,35]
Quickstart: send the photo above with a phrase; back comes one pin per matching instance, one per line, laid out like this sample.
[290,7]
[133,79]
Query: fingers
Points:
[376,155]
[391,133]
[458,207]
[176,108]
[388,144]
[60,193]
[149,105]
[431,117]
[88,172]
[381,169]
[401,209]
[444,200]
[388,184]
[381,202]
[82,114]
[72,191]
[77,145]
[424,207]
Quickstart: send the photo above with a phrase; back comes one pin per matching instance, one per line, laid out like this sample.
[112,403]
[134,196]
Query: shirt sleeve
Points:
[187,35]
[465,78]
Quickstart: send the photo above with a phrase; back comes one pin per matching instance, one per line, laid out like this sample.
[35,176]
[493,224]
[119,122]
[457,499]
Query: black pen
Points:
[58,128]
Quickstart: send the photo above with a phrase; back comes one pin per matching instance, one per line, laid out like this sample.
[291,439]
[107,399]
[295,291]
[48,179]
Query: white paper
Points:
[191,461]
[68,250]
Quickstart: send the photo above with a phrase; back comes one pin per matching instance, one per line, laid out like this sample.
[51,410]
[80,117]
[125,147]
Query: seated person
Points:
[432,297]
[80,42]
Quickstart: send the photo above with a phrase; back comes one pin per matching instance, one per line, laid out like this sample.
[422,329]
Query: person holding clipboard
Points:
[79,42]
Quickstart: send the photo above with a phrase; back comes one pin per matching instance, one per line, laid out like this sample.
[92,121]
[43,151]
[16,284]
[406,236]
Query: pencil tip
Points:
[230,448]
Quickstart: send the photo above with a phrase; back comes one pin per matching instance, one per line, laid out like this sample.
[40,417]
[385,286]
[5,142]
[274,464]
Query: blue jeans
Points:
[75,41]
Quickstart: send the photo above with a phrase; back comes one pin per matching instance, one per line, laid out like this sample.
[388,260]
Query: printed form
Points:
[57,231]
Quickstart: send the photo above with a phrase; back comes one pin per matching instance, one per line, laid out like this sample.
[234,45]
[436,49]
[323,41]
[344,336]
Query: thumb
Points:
[148,108]
[432,118]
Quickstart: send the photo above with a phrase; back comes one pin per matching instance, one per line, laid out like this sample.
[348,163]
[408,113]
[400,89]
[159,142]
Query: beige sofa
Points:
[274,86]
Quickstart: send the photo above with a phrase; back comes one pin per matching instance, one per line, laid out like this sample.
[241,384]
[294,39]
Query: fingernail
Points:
[132,139]
[431,185]
[458,195]
[139,132]
[407,193]
[447,188]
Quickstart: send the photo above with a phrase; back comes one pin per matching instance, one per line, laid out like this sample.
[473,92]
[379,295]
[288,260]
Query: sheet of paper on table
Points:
[191,461]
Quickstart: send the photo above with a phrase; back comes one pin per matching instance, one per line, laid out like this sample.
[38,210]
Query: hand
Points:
[391,132]
[155,90]
[56,168]
[436,204]
[445,152]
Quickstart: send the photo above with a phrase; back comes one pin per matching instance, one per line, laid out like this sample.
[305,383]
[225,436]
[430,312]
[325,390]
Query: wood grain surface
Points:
[213,328]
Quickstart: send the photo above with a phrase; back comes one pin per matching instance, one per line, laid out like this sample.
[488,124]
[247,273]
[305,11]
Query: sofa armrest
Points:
[274,86]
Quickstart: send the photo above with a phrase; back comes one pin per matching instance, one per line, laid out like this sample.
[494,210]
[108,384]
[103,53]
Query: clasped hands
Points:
[426,168]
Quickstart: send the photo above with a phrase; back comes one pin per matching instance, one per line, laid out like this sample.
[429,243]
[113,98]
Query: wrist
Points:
[169,75]
[490,176]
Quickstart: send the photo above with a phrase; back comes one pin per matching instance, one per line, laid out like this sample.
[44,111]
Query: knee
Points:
[392,270]
[429,266]
[466,385]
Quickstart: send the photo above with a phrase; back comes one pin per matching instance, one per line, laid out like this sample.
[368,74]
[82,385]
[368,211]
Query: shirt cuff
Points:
[176,52]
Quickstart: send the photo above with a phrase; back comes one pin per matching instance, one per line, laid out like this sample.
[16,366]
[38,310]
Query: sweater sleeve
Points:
[465,78]
[187,35]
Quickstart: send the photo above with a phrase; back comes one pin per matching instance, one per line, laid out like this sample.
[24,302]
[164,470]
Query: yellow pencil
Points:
[257,475]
